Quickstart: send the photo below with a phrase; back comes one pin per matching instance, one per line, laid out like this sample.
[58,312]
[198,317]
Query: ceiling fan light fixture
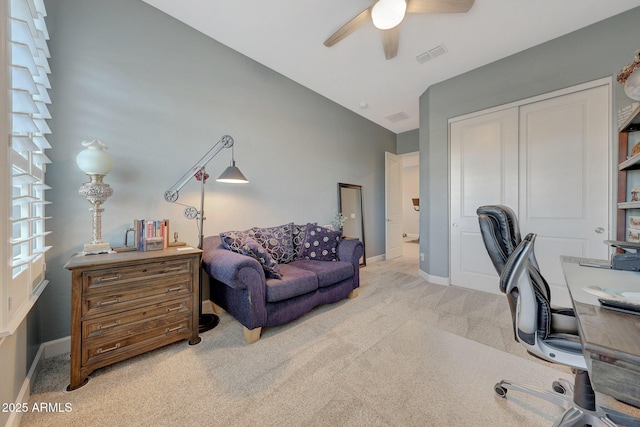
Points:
[387,14]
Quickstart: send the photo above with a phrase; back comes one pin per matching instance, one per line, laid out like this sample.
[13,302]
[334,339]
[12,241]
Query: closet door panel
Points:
[484,170]
[564,179]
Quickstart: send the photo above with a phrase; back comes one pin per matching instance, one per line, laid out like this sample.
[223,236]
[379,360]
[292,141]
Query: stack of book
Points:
[151,235]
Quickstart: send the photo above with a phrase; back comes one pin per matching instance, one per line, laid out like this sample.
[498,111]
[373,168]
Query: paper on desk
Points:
[614,294]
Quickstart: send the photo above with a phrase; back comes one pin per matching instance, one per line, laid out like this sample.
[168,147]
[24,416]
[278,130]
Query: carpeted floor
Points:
[403,353]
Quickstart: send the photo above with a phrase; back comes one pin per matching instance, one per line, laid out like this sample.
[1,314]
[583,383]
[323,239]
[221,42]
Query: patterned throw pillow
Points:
[320,243]
[299,231]
[234,240]
[278,241]
[255,250]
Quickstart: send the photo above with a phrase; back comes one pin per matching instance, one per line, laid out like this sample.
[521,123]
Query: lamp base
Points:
[207,321]
[96,248]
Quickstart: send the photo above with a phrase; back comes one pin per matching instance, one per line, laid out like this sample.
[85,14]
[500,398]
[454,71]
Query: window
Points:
[22,198]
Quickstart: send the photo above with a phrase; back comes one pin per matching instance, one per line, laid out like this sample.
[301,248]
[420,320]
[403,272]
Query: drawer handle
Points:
[177,328]
[168,269]
[109,279]
[169,309]
[109,302]
[111,325]
[106,350]
[177,288]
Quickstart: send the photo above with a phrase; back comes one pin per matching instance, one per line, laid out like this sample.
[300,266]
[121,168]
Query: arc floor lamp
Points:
[230,175]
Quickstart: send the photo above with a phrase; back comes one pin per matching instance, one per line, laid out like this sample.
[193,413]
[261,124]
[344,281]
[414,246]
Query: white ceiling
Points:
[287,36]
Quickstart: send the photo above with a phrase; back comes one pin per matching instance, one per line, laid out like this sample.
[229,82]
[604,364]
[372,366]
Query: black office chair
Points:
[546,332]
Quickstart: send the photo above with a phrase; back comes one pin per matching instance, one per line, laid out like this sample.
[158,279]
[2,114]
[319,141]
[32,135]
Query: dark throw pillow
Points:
[234,240]
[253,249]
[320,243]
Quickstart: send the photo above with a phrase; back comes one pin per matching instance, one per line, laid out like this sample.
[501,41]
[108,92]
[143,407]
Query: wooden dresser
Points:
[125,304]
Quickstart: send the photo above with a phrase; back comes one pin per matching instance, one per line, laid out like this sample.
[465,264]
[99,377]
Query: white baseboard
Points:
[376,258]
[57,347]
[436,280]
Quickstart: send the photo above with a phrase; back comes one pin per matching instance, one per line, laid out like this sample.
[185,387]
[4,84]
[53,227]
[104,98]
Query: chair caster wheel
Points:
[558,388]
[500,391]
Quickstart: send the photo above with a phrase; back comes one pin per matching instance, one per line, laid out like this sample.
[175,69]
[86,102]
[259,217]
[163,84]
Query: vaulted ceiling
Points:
[287,36]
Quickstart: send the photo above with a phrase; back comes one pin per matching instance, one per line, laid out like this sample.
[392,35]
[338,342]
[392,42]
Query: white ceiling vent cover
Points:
[430,54]
[393,118]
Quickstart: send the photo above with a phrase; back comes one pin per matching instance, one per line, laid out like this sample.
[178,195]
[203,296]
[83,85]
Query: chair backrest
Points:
[500,232]
[501,236]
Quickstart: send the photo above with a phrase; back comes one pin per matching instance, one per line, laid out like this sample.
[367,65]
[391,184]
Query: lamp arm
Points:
[171,195]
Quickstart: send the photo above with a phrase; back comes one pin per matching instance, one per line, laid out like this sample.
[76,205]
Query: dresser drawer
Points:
[126,296]
[94,280]
[137,338]
[122,323]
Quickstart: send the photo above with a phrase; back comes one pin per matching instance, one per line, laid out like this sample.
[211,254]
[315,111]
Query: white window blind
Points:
[28,85]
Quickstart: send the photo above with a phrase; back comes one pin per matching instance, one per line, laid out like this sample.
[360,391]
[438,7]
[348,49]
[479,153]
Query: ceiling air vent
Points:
[430,54]
[397,117]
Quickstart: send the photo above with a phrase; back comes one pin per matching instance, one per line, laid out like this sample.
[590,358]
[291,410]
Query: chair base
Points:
[574,414]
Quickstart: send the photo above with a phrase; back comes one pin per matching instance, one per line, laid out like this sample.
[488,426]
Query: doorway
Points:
[402,205]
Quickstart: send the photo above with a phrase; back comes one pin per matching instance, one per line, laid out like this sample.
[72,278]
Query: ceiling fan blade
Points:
[439,6]
[349,27]
[390,41]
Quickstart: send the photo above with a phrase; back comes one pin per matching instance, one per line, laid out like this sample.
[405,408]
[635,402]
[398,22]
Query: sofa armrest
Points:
[350,250]
[237,284]
[231,268]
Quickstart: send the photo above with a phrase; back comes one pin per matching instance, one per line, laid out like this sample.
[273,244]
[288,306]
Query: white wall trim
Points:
[376,258]
[57,347]
[436,280]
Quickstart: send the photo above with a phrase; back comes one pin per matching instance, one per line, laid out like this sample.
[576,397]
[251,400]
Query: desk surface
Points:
[611,340]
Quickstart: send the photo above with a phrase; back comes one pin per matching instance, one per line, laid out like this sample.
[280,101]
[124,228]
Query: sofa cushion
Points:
[255,250]
[320,243]
[294,282]
[278,241]
[329,273]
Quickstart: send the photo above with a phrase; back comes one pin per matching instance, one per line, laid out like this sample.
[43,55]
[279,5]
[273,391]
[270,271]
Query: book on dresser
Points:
[151,234]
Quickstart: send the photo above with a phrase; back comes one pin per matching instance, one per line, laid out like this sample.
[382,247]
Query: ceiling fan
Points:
[387,15]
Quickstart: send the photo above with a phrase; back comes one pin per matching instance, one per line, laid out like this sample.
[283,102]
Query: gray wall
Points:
[159,95]
[597,51]
[408,142]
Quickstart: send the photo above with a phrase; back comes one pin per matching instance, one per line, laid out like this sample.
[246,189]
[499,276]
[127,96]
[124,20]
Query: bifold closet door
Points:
[553,173]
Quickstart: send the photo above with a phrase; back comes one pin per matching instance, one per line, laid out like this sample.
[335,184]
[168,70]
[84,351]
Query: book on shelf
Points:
[151,235]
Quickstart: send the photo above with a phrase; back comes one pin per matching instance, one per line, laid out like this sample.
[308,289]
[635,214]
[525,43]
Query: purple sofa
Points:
[239,285]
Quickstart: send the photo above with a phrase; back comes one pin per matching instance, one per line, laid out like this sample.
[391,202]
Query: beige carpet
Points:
[403,353]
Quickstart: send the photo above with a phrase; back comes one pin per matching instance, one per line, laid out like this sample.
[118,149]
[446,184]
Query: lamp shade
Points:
[232,175]
[386,14]
[93,160]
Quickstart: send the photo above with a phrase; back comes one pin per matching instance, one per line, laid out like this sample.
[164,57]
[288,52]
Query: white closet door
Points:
[553,172]
[484,170]
[565,179]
